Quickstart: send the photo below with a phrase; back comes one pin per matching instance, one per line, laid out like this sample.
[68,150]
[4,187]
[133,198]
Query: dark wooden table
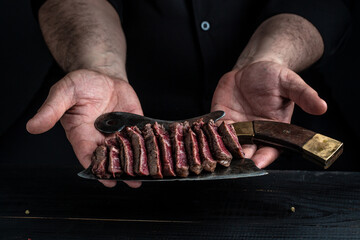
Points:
[57,204]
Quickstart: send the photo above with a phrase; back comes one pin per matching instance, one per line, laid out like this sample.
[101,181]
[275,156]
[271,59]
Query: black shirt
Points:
[178,50]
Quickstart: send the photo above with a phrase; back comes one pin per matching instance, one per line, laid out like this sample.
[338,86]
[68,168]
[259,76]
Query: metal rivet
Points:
[286,131]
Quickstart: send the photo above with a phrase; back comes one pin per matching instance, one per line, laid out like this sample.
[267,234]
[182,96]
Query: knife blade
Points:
[239,168]
[115,121]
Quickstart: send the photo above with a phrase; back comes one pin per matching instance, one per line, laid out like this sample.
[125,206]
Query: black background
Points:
[25,60]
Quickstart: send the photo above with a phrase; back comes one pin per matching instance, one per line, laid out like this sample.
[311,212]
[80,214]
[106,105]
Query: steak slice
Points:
[153,151]
[126,154]
[139,151]
[208,163]
[192,149]
[178,146]
[230,140]
[165,150]
[219,151]
[114,167]
[99,162]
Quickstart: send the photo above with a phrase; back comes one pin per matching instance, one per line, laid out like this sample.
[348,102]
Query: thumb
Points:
[295,88]
[59,100]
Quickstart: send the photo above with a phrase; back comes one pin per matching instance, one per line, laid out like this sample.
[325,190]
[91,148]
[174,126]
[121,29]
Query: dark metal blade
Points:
[115,121]
[238,169]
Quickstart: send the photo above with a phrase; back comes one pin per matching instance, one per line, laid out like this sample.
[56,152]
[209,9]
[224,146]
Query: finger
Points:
[264,156]
[112,183]
[295,88]
[133,184]
[82,144]
[59,100]
[249,150]
[83,150]
[108,183]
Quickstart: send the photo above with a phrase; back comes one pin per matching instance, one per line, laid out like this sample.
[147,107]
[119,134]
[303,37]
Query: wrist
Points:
[105,63]
[265,48]
[245,60]
[286,39]
[110,71]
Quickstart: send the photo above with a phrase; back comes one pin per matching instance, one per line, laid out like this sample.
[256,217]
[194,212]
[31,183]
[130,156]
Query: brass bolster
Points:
[322,149]
[244,131]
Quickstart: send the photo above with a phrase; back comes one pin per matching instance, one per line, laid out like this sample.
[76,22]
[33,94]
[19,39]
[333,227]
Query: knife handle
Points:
[313,146]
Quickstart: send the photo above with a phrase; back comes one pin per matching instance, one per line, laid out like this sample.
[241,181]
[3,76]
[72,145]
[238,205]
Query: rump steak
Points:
[165,150]
[192,149]
[126,153]
[99,162]
[219,151]
[139,151]
[178,146]
[153,151]
[114,167]
[230,140]
[208,163]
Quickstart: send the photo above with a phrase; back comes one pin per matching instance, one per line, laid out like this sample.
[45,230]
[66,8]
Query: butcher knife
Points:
[315,147]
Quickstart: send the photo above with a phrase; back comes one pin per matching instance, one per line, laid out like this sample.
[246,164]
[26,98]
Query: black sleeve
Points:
[330,17]
[117,4]
[35,6]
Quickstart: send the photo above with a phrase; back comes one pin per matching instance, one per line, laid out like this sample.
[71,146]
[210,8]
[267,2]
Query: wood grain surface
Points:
[56,204]
[287,135]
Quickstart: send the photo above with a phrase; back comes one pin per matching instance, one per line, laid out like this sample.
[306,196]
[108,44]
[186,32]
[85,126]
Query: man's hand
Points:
[84,34]
[263,84]
[264,90]
[77,100]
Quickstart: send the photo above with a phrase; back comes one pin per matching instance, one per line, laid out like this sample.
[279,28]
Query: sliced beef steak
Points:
[114,167]
[230,140]
[139,151]
[99,162]
[192,149]
[126,153]
[219,151]
[178,147]
[208,163]
[153,151]
[165,150]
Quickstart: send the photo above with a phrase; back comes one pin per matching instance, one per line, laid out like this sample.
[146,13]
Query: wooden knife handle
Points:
[313,146]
